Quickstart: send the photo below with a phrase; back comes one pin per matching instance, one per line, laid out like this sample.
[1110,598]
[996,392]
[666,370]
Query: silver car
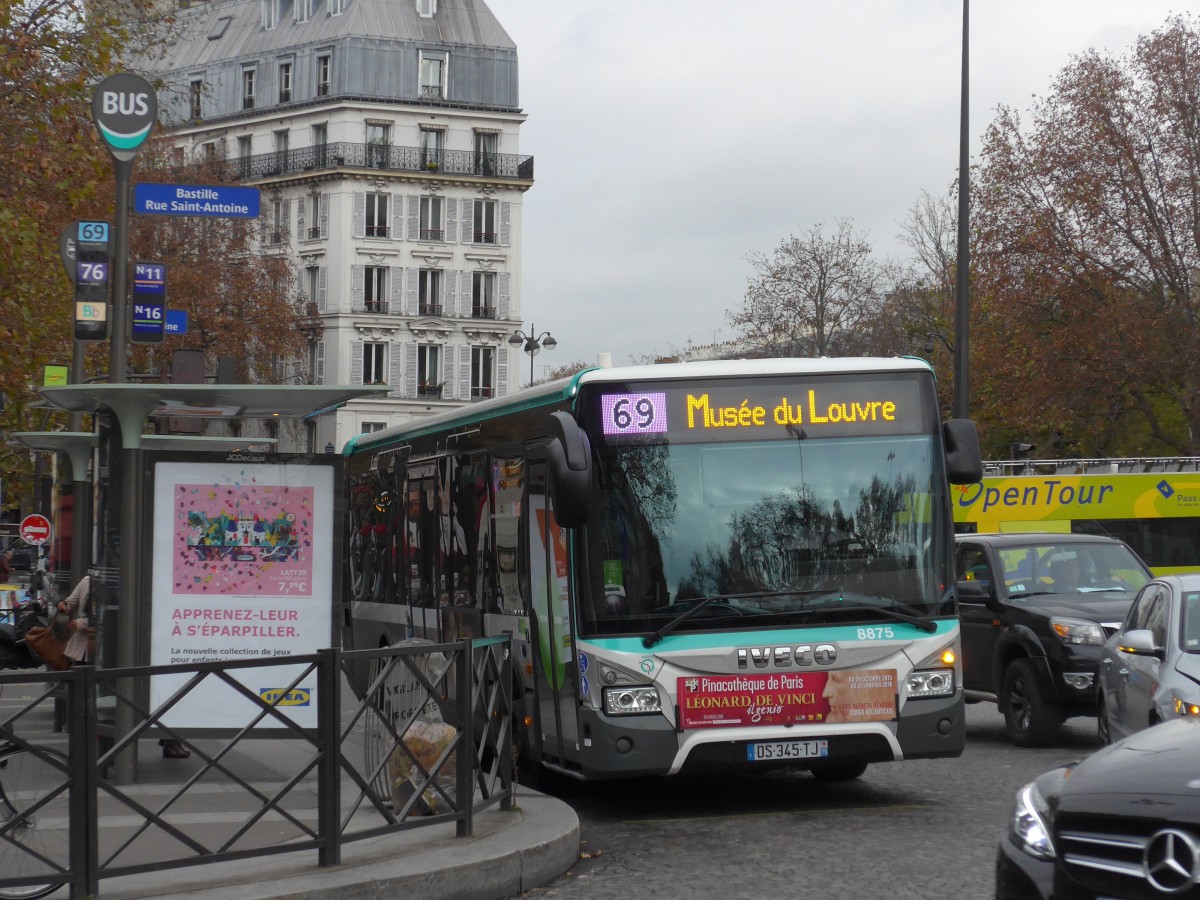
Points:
[1150,669]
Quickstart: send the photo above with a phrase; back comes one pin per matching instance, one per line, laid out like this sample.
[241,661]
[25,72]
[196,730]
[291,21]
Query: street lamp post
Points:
[531,344]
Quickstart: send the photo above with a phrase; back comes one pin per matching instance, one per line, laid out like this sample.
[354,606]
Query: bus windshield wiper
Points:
[651,639]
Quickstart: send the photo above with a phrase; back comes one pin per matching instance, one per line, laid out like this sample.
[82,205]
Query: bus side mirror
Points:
[569,459]
[964,461]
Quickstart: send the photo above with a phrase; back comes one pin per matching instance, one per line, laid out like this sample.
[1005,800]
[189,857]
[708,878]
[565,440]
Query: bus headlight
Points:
[930,683]
[632,701]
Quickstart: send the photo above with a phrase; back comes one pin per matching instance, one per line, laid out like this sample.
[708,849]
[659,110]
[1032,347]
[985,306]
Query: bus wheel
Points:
[1032,721]
[840,772]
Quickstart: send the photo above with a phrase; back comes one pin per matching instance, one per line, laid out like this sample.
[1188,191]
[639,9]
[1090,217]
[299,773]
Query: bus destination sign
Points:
[763,409]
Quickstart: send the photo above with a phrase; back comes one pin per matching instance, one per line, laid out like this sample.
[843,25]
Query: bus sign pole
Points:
[124,109]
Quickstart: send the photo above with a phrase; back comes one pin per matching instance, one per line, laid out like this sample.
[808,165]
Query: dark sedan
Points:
[1122,823]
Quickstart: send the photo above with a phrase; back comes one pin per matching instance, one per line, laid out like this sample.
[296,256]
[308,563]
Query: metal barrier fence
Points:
[429,742]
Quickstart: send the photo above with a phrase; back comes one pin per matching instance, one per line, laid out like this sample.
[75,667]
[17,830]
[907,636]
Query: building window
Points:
[320,142]
[372,427]
[379,139]
[487,144]
[483,295]
[374,360]
[248,76]
[310,436]
[324,73]
[195,93]
[270,13]
[312,286]
[375,289]
[314,215]
[431,148]
[244,145]
[337,7]
[303,10]
[277,222]
[433,69]
[485,222]
[280,163]
[429,370]
[483,372]
[429,292]
[285,82]
[377,215]
[431,219]
[426,9]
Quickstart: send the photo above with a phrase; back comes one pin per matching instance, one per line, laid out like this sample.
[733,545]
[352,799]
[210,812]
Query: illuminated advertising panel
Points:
[243,568]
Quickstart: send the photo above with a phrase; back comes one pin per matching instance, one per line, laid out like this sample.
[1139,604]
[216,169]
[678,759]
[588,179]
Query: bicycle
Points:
[34,820]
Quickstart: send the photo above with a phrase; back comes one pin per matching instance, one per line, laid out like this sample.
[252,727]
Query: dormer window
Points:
[433,77]
[426,9]
[248,79]
[270,14]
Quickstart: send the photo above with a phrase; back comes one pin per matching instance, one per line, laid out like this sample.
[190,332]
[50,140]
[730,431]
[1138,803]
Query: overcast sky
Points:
[672,138]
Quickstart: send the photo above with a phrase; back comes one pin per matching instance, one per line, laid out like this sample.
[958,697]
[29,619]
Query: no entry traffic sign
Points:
[35,529]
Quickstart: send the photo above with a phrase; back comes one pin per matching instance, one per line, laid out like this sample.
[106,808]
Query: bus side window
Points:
[471,526]
[508,485]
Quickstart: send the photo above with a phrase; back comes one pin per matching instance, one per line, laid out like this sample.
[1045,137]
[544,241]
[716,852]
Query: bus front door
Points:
[549,589]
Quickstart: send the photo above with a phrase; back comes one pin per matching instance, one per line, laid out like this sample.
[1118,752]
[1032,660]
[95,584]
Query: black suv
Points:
[1035,609]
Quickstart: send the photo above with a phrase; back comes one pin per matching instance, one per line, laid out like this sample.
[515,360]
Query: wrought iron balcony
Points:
[429,309]
[346,155]
[483,312]
[429,390]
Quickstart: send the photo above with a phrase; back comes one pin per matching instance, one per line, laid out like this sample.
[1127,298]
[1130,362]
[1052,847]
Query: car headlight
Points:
[1078,631]
[930,683]
[631,701]
[1030,826]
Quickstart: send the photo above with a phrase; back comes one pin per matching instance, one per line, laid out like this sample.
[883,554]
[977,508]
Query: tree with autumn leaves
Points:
[54,170]
[1085,281]
[1086,300]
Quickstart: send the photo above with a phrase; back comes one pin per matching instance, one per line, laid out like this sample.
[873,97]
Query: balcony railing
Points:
[343,154]
[377,231]
[480,393]
[375,306]
[429,390]
[429,309]
[485,237]
[483,312]
[433,234]
[314,232]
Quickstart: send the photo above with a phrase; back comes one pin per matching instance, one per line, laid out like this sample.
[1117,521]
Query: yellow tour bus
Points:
[1152,504]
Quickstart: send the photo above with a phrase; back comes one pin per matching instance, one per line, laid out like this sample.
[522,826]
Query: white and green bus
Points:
[702,566]
[1150,503]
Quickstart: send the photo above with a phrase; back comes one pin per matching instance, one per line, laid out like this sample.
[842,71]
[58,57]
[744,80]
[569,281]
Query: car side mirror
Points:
[1140,642]
[974,591]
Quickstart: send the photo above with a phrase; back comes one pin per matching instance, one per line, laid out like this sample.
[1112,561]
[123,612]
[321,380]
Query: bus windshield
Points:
[765,533]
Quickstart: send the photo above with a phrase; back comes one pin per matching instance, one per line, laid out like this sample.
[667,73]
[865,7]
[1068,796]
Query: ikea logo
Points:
[280,697]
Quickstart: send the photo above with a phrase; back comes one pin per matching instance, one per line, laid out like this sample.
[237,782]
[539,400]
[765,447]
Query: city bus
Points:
[1152,504]
[702,566]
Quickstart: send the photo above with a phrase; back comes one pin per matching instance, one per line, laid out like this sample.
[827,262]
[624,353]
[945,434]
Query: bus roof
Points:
[564,389]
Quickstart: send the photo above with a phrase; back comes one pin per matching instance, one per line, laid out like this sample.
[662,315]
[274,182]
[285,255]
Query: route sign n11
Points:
[149,302]
[92,271]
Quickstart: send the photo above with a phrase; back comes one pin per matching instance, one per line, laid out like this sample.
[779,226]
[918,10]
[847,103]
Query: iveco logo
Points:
[1170,861]
[785,657]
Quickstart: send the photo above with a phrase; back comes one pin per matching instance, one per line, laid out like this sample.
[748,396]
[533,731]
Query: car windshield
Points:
[1071,568]
[765,533]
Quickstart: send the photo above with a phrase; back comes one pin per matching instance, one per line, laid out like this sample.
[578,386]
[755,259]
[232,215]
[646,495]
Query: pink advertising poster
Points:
[250,539]
[243,568]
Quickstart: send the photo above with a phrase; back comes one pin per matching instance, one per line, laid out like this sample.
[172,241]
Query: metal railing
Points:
[391,783]
[343,154]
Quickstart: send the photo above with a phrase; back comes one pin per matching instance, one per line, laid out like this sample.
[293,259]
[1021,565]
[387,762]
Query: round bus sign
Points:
[124,108]
[35,529]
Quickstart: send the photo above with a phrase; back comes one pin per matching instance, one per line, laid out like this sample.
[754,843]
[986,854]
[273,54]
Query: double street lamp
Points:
[531,344]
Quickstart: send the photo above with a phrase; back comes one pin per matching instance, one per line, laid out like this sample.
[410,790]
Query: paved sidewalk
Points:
[508,852]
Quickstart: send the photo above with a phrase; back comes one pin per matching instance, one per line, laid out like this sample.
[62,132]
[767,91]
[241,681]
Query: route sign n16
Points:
[92,271]
[149,302]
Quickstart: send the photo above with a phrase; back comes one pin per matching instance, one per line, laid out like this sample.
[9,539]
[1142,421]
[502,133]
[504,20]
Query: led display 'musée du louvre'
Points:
[764,409]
